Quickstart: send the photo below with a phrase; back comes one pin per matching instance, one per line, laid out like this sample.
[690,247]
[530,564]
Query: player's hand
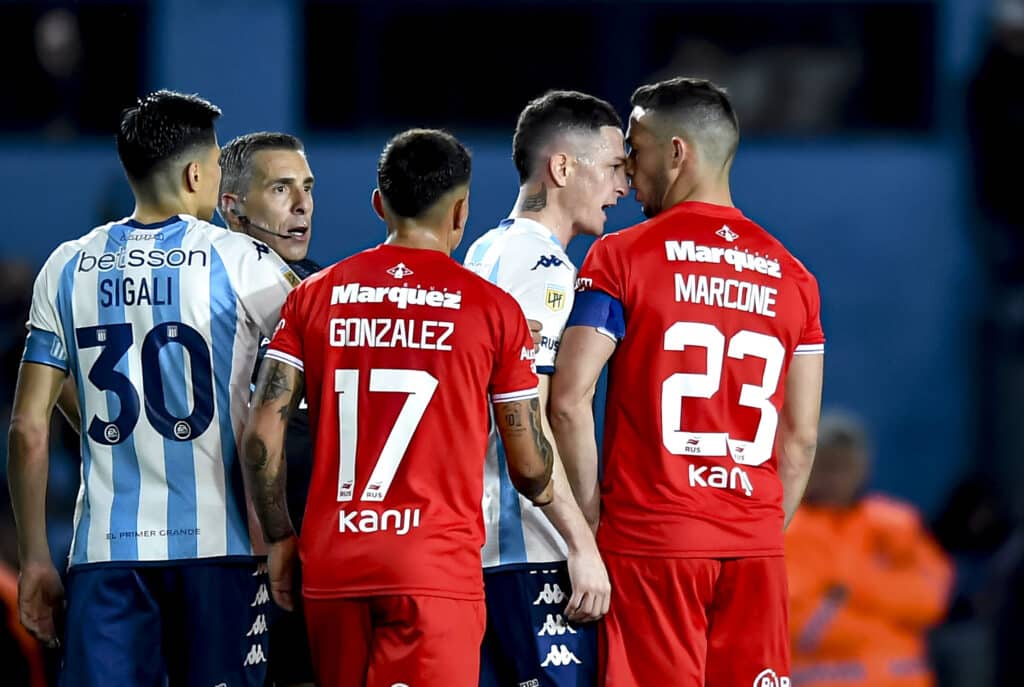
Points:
[281,560]
[535,328]
[591,590]
[40,598]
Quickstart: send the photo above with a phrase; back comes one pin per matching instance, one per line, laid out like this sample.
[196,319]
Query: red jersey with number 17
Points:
[715,309]
[402,350]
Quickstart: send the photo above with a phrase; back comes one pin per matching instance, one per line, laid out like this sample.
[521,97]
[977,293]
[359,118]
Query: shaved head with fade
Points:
[695,110]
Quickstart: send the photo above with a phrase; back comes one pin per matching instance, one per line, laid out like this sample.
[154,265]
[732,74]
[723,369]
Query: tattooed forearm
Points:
[266,480]
[537,200]
[280,384]
[276,386]
[539,440]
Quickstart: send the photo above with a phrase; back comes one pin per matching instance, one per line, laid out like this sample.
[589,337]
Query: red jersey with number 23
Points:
[402,350]
[715,309]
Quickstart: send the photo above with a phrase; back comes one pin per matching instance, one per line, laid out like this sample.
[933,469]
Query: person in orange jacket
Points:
[866,580]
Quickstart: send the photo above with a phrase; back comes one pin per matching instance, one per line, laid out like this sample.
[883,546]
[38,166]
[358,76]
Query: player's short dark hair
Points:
[695,108]
[418,167]
[160,128]
[553,113]
[236,157]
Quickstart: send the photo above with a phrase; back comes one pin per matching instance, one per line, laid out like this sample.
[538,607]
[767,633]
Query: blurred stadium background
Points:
[882,142]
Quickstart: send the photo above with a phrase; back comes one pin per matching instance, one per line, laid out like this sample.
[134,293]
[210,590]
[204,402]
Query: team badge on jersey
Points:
[554,298]
[291,277]
[727,233]
[400,271]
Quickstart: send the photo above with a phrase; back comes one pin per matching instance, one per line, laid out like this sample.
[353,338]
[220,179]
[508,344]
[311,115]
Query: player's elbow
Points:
[799,445]
[530,472]
[563,409]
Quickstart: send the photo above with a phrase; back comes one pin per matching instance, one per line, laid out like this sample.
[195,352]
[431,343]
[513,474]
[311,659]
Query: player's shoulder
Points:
[777,249]
[95,239]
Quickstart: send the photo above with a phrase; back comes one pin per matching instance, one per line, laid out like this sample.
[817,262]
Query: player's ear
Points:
[228,209]
[460,215]
[377,201]
[192,173]
[558,168]
[680,152]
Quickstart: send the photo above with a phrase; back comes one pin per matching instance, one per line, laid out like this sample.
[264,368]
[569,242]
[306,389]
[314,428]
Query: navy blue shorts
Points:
[195,623]
[528,641]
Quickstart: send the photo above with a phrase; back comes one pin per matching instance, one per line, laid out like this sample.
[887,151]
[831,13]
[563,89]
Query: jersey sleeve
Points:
[263,280]
[812,338]
[286,345]
[513,377]
[600,293]
[45,343]
[543,295]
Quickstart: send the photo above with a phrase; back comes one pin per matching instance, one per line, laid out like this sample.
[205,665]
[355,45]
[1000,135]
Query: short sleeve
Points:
[544,295]
[812,338]
[263,280]
[601,271]
[286,344]
[45,343]
[513,377]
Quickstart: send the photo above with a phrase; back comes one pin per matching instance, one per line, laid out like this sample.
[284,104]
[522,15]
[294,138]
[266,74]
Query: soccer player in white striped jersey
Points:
[543,574]
[156,317]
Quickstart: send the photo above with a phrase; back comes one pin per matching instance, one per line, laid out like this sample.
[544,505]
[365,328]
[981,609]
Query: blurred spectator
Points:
[20,654]
[58,43]
[866,579]
[996,126]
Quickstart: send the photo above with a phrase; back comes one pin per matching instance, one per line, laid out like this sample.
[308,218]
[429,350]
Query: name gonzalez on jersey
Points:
[383,332]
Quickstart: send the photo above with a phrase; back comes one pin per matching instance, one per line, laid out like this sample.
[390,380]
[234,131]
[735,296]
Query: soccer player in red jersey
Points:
[401,351]
[711,417]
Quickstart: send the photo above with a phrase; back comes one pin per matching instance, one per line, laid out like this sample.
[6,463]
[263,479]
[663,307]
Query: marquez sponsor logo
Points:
[688,251]
[402,296]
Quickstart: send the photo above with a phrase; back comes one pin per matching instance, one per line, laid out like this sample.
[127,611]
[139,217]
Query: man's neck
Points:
[712,192]
[535,203]
[151,212]
[418,237]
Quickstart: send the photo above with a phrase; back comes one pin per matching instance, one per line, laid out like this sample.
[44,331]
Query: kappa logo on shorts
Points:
[555,625]
[255,656]
[559,655]
[769,678]
[259,626]
[530,683]
[551,594]
[262,597]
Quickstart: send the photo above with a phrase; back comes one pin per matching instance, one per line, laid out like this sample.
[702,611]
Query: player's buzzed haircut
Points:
[554,113]
[162,127]
[236,157]
[418,167]
[696,110]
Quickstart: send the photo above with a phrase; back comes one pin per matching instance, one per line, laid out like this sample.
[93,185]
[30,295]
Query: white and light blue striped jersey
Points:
[524,258]
[159,325]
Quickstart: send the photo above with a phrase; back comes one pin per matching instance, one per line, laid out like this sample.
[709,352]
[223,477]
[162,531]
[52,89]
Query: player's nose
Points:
[302,203]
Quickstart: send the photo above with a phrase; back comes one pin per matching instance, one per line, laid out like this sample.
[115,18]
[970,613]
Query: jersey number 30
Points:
[692,385]
[419,385]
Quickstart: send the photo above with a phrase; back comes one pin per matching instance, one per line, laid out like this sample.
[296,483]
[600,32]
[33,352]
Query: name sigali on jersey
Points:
[140,257]
[402,296]
[689,251]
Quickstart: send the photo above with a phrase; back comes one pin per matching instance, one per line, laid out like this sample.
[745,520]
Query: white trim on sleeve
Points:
[514,396]
[809,349]
[285,358]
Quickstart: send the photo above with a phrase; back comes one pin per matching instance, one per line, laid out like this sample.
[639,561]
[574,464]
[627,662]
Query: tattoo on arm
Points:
[268,491]
[279,382]
[541,442]
[537,200]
